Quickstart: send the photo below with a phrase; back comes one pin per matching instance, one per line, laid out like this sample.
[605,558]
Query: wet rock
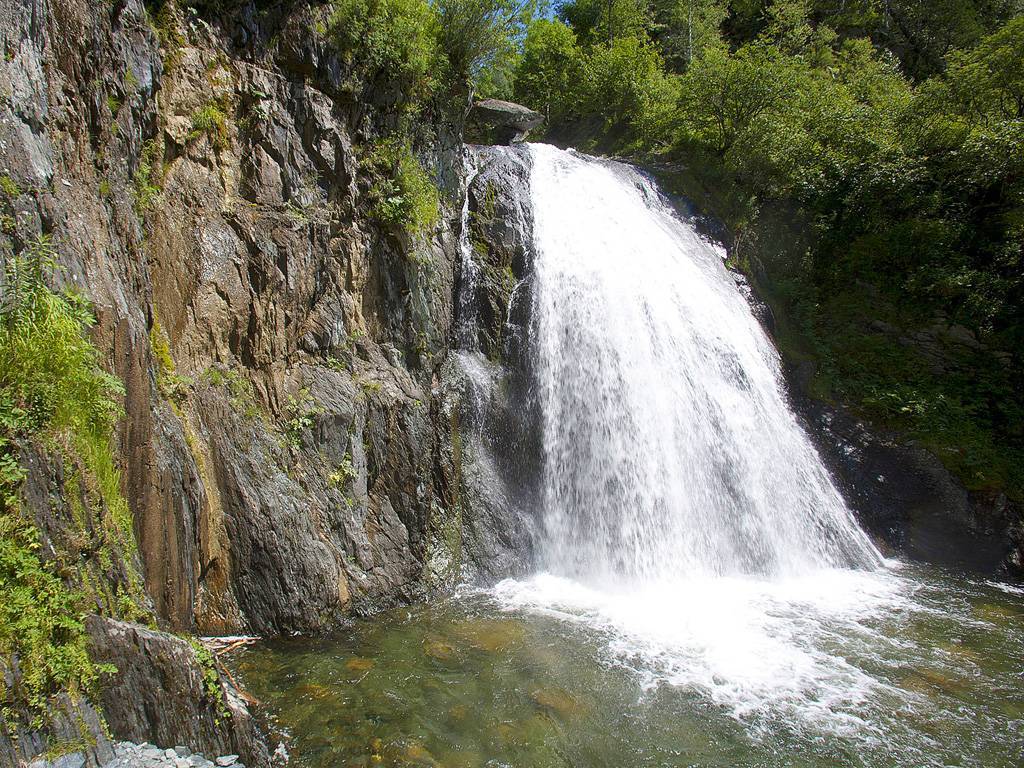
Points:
[491,635]
[557,701]
[909,501]
[159,694]
[439,650]
[359,665]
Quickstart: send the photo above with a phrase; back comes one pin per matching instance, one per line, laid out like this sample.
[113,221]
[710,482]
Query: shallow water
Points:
[903,666]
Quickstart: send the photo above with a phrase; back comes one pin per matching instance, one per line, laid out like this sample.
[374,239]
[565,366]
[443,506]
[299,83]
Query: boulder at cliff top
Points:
[492,121]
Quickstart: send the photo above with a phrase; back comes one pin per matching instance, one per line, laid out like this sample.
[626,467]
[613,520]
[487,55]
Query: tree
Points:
[685,28]
[605,21]
[477,34]
[550,72]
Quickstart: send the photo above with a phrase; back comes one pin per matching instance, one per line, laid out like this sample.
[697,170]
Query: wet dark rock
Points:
[909,501]
[161,694]
[486,392]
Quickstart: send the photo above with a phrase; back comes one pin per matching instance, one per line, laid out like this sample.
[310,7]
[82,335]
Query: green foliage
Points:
[171,385]
[685,28]
[50,381]
[550,70]
[163,15]
[301,413]
[479,35]
[146,182]
[402,193]
[240,392]
[48,368]
[343,474]
[394,40]
[40,623]
[9,186]
[604,21]
[212,688]
[211,121]
[626,84]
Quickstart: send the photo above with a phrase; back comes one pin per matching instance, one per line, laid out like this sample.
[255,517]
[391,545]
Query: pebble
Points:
[129,755]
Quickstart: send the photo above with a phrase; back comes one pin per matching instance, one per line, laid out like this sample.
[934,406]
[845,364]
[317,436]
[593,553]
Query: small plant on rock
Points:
[301,413]
[212,121]
[402,194]
[343,474]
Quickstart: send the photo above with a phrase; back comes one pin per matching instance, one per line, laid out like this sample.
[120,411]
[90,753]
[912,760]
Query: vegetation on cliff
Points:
[867,160]
[54,392]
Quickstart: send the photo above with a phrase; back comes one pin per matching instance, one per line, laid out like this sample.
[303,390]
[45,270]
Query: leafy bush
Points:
[626,84]
[393,39]
[50,380]
[48,368]
[301,411]
[9,186]
[551,70]
[402,194]
[477,34]
[211,121]
[147,178]
[40,623]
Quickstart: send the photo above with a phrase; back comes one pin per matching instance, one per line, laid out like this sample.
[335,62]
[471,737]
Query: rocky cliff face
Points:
[289,451]
[278,346]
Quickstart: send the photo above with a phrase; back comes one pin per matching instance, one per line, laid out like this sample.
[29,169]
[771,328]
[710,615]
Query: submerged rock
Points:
[359,664]
[557,701]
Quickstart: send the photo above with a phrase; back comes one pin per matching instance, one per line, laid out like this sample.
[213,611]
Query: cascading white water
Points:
[688,519]
[669,447]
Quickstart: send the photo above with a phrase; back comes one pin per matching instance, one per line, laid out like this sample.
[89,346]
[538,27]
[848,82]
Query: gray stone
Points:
[159,690]
[182,751]
[225,760]
[70,760]
[504,121]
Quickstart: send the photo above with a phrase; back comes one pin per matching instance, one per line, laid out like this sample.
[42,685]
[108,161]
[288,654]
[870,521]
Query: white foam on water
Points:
[759,649]
[688,519]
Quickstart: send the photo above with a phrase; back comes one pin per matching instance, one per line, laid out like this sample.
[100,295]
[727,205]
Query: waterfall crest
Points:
[669,448]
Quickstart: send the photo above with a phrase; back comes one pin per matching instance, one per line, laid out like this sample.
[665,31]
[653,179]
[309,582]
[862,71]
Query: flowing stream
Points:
[703,594]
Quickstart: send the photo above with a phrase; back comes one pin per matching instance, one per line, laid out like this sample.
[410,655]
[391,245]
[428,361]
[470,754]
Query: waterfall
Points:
[669,448]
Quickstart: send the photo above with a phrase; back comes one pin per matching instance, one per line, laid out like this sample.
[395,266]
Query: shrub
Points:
[50,380]
[402,193]
[551,69]
[9,186]
[211,121]
[395,39]
[147,179]
[476,33]
[48,368]
[302,410]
